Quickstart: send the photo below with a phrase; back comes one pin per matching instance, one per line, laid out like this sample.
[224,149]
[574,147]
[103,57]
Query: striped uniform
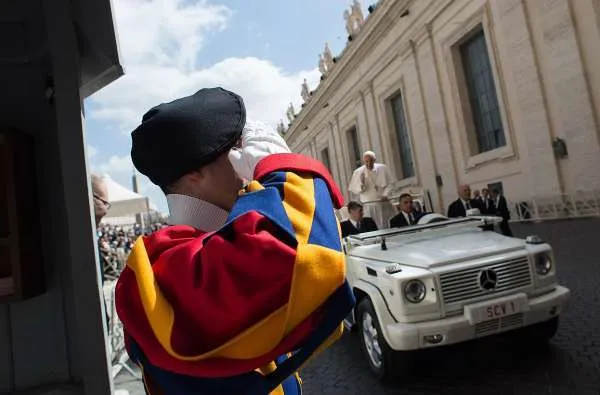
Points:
[240,310]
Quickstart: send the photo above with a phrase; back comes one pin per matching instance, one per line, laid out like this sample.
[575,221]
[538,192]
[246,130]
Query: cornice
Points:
[377,25]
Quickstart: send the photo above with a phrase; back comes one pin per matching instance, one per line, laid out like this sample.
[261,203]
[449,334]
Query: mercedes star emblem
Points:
[488,279]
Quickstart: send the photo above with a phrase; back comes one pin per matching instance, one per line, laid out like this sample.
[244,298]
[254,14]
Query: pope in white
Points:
[372,182]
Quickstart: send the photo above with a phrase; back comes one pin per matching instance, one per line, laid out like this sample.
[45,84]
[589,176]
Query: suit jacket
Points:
[456,208]
[366,225]
[501,208]
[486,209]
[399,220]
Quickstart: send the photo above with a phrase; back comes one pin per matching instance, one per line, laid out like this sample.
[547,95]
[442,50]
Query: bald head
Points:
[464,191]
[100,197]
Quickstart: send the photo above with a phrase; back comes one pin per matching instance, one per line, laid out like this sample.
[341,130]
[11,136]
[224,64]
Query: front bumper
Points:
[454,330]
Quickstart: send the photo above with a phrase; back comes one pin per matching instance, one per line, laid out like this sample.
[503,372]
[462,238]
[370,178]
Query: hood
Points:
[436,249]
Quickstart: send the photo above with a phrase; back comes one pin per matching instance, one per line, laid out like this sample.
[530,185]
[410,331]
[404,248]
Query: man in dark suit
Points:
[459,207]
[357,223]
[407,215]
[501,210]
[486,203]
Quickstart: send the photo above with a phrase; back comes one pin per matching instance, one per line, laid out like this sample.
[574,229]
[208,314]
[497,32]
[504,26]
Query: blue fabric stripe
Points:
[266,202]
[339,304]
[176,384]
[291,386]
[275,180]
[324,230]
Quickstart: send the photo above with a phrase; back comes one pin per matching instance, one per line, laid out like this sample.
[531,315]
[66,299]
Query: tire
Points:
[543,332]
[385,363]
[538,335]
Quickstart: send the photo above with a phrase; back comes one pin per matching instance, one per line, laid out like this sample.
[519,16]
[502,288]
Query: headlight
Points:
[415,291]
[543,264]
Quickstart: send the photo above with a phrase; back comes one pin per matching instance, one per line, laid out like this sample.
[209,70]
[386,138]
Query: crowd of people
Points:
[115,244]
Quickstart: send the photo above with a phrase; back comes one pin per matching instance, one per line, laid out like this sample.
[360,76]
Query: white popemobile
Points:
[445,281]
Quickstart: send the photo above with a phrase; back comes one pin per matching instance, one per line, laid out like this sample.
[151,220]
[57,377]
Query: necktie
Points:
[467,205]
[358,225]
[411,219]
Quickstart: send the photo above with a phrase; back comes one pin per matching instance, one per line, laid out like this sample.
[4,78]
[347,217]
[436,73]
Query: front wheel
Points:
[543,332]
[384,362]
[537,334]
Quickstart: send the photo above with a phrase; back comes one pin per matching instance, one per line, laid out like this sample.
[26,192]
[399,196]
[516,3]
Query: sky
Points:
[260,49]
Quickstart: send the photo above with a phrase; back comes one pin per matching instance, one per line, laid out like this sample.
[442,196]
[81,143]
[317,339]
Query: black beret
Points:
[183,135]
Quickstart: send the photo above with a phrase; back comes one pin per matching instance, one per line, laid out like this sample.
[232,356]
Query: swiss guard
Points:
[247,283]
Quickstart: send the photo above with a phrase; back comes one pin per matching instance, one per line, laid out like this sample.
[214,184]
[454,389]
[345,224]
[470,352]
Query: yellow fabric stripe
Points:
[299,204]
[270,368]
[158,310]
[254,186]
[320,268]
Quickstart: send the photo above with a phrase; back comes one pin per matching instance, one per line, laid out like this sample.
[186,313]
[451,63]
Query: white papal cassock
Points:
[378,183]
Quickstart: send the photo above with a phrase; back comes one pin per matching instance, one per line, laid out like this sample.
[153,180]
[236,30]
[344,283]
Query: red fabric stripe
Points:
[299,164]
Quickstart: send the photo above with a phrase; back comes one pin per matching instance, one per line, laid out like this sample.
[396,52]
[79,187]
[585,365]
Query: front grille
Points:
[464,284]
[490,326]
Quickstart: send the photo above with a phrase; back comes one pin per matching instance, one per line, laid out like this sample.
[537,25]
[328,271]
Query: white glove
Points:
[258,142]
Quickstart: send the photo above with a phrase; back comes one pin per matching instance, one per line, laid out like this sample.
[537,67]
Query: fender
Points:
[379,303]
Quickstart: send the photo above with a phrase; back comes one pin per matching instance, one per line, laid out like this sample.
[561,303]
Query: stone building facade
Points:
[485,92]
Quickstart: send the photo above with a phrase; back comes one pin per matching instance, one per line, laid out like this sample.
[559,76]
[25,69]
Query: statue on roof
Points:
[328,56]
[357,11]
[305,93]
[354,18]
[322,67]
[291,113]
[281,128]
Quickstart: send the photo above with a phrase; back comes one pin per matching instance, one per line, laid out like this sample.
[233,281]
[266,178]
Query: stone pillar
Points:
[568,94]
[442,147]
[341,156]
[527,110]
[367,109]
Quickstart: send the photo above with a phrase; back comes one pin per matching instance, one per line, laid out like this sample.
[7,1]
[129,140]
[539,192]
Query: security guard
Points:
[244,286]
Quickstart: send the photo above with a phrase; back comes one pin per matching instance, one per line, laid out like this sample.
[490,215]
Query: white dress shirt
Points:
[191,211]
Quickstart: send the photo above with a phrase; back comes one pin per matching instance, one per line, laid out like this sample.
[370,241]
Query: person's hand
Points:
[258,142]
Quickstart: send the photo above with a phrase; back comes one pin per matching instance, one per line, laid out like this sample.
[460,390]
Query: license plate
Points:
[493,310]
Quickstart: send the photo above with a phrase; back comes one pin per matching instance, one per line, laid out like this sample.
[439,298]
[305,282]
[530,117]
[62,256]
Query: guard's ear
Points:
[194,176]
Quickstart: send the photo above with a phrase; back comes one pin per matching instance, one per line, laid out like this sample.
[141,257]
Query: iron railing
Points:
[577,205]
[581,204]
